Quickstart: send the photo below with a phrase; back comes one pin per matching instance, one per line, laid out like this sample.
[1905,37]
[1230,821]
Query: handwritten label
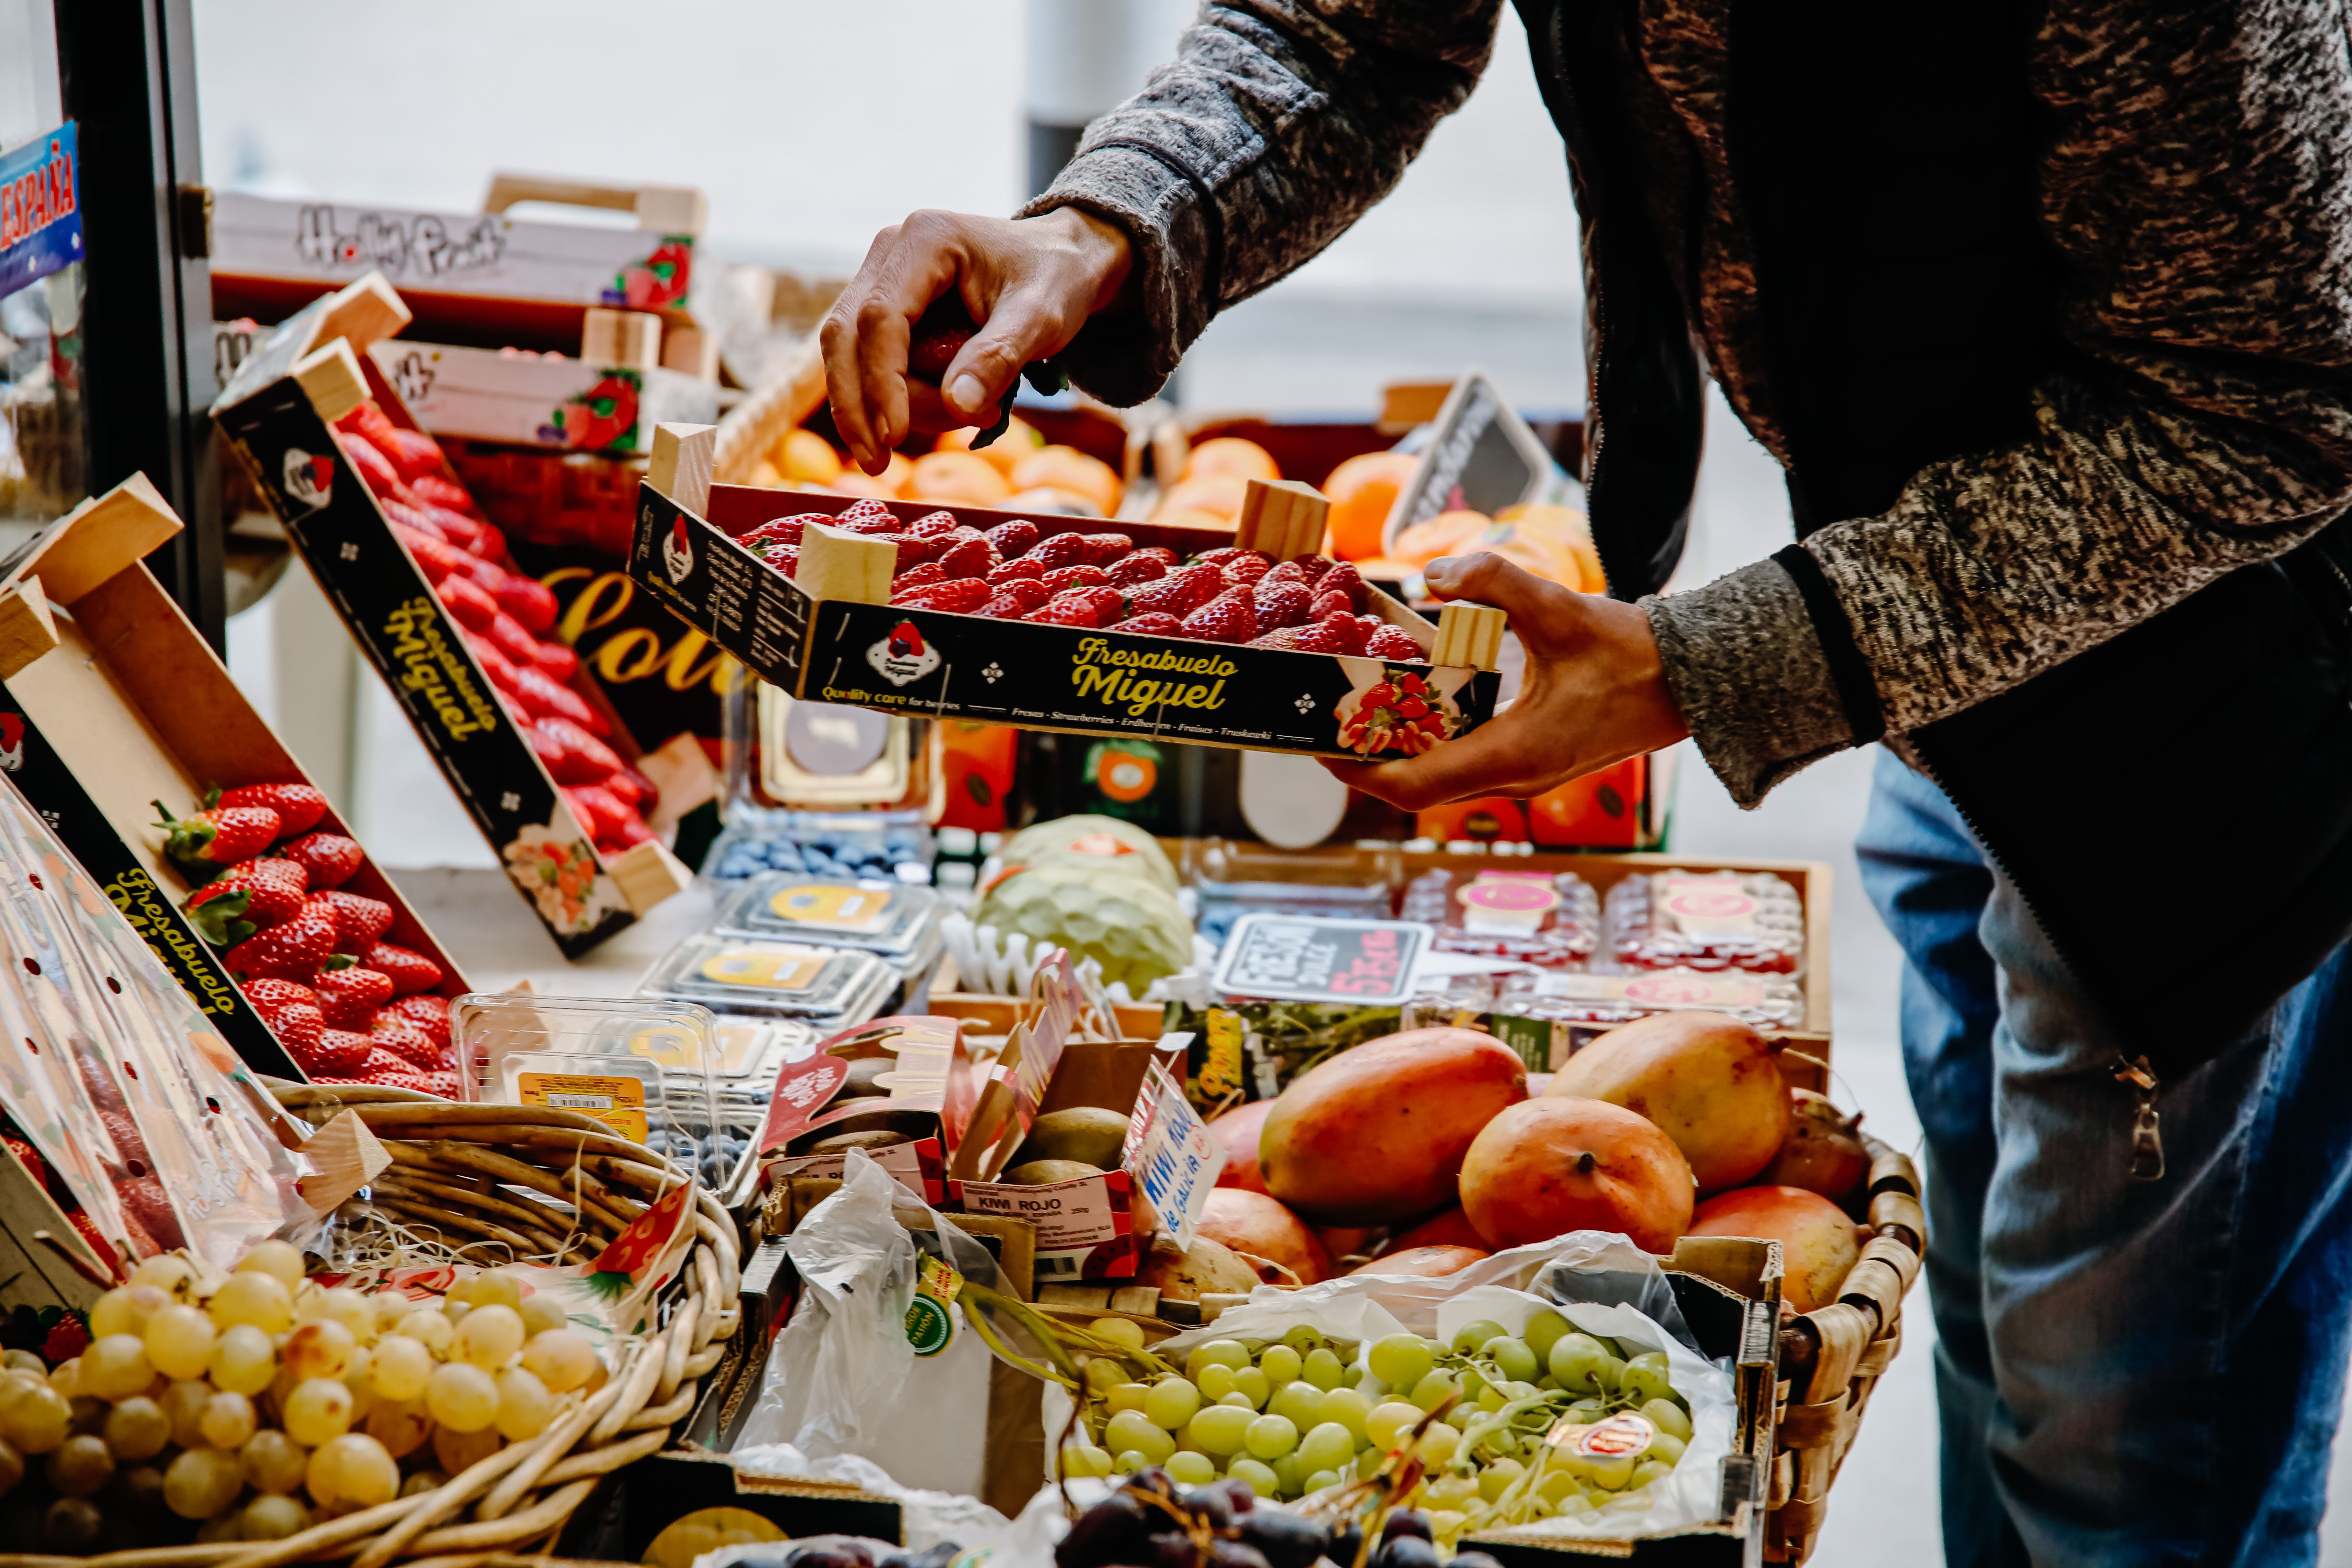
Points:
[1174,1158]
[1304,959]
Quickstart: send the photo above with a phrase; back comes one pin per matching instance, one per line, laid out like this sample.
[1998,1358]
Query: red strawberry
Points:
[427,1010]
[1062,550]
[857,512]
[913,550]
[1328,604]
[336,1054]
[634,790]
[1024,568]
[958,595]
[1245,570]
[1342,578]
[495,665]
[226,912]
[298,1026]
[778,530]
[470,604]
[1015,599]
[1231,617]
[407,1039]
[570,753]
[1317,636]
[1282,603]
[435,556]
[1158,623]
[298,806]
[329,858]
[292,951]
[1220,556]
[1015,538]
[598,809]
[410,972]
[350,994]
[1395,644]
[781,559]
[1147,566]
[511,640]
[1291,571]
[1312,566]
[543,697]
[559,662]
[939,335]
[383,1066]
[69,1336]
[360,922]
[1091,607]
[529,601]
[271,997]
[937,525]
[1103,549]
[435,491]
[1351,631]
[1180,593]
[922,576]
[969,558]
[202,843]
[1062,579]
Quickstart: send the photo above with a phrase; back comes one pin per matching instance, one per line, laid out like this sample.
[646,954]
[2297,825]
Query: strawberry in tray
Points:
[292,949]
[202,843]
[349,996]
[298,807]
[250,896]
[329,857]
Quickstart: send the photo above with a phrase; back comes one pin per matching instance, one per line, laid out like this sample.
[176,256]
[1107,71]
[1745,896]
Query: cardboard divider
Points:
[278,412]
[839,645]
[136,707]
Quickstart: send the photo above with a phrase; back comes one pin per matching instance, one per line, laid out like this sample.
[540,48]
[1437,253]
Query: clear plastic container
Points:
[1765,1001]
[758,839]
[893,920]
[642,1066]
[1750,921]
[829,987]
[1544,918]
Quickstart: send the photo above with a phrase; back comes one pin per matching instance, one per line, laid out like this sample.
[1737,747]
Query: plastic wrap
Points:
[1550,919]
[1706,920]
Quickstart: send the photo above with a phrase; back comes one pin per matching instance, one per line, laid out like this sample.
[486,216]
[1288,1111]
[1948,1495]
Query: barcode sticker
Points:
[618,1102]
[1060,1262]
[580,1102]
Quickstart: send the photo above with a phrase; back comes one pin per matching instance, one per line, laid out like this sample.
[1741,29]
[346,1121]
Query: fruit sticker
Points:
[618,1102]
[766,970]
[1707,906]
[678,552]
[828,906]
[931,1315]
[1506,901]
[1405,711]
[310,477]
[903,656]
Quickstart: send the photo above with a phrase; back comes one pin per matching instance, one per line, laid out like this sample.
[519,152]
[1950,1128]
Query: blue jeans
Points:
[2127,1373]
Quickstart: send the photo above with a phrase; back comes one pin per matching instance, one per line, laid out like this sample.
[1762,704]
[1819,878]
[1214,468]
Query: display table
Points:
[493,936]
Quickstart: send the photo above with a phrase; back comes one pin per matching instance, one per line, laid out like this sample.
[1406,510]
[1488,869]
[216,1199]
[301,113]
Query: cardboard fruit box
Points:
[278,411]
[113,701]
[828,633]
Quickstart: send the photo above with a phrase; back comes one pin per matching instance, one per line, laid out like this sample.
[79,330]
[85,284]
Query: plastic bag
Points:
[845,1382]
[1598,1282]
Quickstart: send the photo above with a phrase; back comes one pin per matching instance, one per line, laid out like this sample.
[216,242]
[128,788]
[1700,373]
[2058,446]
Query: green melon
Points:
[1091,840]
[1131,926]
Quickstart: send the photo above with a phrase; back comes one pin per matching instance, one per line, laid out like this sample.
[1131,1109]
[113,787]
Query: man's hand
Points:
[1593,694]
[1031,283]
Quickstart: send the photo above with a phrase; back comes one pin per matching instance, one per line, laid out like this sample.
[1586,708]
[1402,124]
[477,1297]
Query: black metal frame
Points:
[128,69]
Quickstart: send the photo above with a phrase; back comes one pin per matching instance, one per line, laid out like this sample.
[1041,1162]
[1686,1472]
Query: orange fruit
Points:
[805,456]
[764,475]
[856,482]
[1018,441]
[1219,494]
[1230,455]
[1045,499]
[895,474]
[1361,491]
[965,476]
[1191,517]
[1447,533]
[1564,529]
[1068,468]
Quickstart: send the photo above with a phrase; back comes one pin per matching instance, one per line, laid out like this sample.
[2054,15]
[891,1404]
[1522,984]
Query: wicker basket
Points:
[1831,1358]
[750,428]
[521,1495]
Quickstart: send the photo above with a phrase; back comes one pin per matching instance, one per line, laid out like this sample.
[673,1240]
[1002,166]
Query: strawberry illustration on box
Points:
[1245,640]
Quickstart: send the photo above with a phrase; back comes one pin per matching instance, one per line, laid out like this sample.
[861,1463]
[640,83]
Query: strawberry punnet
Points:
[330,859]
[204,841]
[409,971]
[298,807]
[350,995]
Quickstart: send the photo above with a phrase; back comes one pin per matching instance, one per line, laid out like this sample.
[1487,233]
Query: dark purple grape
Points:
[1346,1540]
[1115,1530]
[1405,1521]
[1405,1551]
[1236,1554]
[1209,1504]
[72,1524]
[1244,1497]
[1285,1540]
[1474,1559]
[1153,1478]
[1173,1549]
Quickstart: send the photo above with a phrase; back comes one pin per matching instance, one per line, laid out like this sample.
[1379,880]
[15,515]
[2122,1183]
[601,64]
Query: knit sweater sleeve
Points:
[1277,125]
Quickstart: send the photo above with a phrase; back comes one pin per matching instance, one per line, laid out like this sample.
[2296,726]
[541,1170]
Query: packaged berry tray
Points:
[829,988]
[1551,918]
[1749,920]
[1073,625]
[892,920]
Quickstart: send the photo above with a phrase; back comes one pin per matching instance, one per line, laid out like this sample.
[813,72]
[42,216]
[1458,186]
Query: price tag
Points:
[1294,958]
[1173,1155]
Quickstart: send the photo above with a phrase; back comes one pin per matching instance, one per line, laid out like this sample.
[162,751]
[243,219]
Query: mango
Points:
[1236,1132]
[1257,1225]
[1447,1227]
[1377,1134]
[1206,1267]
[1559,1163]
[1706,1079]
[1817,1244]
[1821,1153]
[1423,1262]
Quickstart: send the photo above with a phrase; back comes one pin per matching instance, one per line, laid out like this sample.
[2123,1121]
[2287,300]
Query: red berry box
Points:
[499,705]
[1055,623]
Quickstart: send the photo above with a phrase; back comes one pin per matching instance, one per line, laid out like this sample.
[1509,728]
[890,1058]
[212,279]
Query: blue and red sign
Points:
[40,214]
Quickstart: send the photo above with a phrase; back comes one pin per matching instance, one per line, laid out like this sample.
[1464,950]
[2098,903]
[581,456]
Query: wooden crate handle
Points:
[1284,518]
[836,564]
[331,378]
[680,464]
[665,209]
[1469,634]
